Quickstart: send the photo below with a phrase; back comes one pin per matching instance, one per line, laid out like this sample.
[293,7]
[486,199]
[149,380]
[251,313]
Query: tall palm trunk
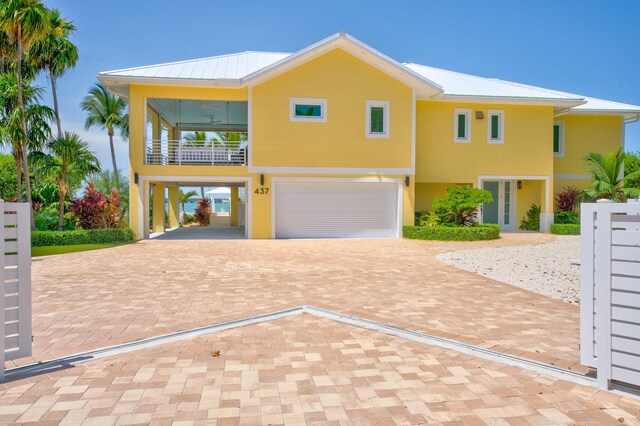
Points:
[25,160]
[116,176]
[55,101]
[63,192]
[16,157]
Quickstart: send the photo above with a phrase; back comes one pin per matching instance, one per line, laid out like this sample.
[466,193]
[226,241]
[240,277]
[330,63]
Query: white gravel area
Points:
[543,268]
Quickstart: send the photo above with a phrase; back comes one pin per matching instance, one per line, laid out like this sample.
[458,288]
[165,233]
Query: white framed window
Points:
[462,125]
[495,126]
[377,119]
[558,138]
[308,109]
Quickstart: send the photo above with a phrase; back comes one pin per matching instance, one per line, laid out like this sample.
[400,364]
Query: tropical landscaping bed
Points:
[453,218]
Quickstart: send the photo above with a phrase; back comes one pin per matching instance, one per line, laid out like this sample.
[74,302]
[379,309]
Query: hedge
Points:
[452,233]
[81,236]
[565,229]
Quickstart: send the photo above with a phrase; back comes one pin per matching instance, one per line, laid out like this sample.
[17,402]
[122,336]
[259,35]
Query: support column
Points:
[233,206]
[174,218]
[158,208]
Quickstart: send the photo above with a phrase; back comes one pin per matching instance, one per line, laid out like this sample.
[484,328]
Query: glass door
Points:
[501,209]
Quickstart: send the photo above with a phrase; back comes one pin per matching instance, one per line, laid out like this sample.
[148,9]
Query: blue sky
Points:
[584,47]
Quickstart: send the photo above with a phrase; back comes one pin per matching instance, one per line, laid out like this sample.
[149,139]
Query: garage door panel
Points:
[336,210]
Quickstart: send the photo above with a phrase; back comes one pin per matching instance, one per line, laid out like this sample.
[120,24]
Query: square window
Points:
[377,119]
[462,126]
[308,109]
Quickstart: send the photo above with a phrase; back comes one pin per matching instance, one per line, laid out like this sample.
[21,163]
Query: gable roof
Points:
[250,68]
[242,69]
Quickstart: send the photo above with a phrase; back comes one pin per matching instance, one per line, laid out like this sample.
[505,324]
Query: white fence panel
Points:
[15,282]
[610,291]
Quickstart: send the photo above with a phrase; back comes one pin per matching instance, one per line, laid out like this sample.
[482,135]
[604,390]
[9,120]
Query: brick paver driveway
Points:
[94,299]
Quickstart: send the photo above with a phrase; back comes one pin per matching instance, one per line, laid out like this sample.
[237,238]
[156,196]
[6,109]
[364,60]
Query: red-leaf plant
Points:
[566,200]
[95,210]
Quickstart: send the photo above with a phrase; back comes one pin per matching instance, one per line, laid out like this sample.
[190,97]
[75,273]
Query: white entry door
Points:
[305,209]
[502,210]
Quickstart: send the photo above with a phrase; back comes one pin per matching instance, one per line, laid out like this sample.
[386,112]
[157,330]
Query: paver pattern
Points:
[301,370]
[92,299]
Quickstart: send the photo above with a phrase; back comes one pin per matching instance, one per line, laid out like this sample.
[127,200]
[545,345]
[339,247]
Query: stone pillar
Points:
[174,218]
[233,206]
[158,208]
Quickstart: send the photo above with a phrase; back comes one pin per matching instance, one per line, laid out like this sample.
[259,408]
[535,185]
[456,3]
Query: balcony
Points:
[185,152]
[196,132]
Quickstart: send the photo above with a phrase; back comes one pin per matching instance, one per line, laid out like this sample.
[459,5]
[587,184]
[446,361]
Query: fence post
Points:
[603,300]
[24,277]
[2,291]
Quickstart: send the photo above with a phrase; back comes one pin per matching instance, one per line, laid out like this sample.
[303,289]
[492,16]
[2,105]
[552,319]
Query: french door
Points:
[502,209]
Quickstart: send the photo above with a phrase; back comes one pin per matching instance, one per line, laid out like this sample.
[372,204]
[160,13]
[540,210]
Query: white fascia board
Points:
[566,103]
[154,81]
[626,113]
[354,47]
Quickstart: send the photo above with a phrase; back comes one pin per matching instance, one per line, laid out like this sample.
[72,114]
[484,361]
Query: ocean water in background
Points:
[190,206]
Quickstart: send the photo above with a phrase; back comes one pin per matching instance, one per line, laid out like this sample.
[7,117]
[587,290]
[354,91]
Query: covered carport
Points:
[160,208]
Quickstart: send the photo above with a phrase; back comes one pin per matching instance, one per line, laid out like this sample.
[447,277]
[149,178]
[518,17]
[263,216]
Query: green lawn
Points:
[49,250]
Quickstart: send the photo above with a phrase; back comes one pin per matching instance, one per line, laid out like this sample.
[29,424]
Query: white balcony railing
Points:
[185,152]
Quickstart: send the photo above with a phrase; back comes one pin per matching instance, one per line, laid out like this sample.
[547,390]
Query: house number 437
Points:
[261,191]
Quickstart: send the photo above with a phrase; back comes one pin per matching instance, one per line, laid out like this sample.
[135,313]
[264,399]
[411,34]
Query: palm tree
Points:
[608,179]
[183,197]
[11,129]
[56,54]
[24,22]
[196,139]
[107,112]
[69,161]
[6,50]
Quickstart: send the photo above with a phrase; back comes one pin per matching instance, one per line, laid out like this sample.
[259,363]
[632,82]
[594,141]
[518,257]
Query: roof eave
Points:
[516,100]
[626,113]
[119,85]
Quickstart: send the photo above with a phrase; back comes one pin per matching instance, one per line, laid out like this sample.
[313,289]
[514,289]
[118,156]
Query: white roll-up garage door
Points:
[336,209]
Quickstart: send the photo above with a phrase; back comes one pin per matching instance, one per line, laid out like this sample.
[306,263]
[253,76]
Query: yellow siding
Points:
[347,83]
[532,192]
[426,193]
[527,149]
[586,133]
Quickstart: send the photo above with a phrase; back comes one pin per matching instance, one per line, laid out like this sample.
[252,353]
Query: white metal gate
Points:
[15,282]
[610,291]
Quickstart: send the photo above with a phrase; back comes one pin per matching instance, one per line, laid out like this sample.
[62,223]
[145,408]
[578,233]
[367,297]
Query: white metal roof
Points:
[224,67]
[238,69]
[459,84]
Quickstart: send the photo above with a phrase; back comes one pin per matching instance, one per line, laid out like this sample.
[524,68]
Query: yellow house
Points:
[339,140]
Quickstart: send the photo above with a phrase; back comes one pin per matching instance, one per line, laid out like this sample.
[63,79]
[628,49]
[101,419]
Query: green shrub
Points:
[46,221]
[532,221]
[565,217]
[452,233]
[565,229]
[427,218]
[460,205]
[81,236]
